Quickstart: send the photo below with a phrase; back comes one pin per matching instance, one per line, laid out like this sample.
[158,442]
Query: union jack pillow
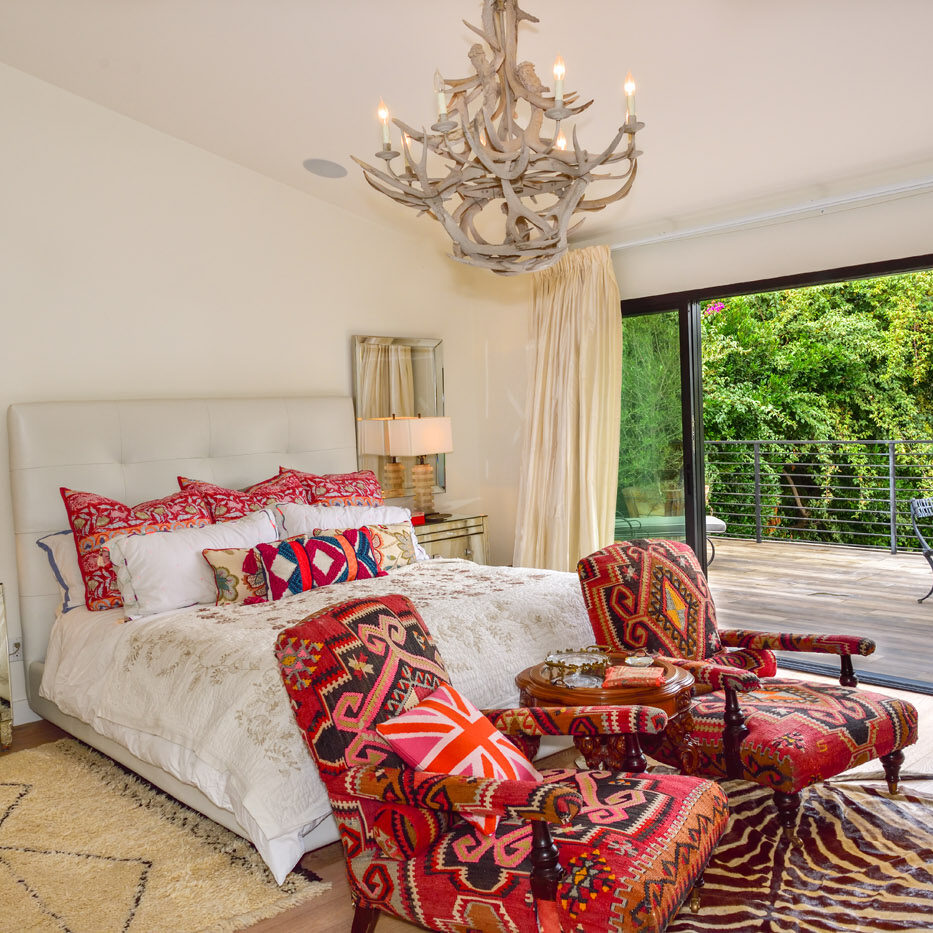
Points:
[447,734]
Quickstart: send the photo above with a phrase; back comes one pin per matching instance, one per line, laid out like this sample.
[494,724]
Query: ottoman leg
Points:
[695,894]
[788,806]
[892,768]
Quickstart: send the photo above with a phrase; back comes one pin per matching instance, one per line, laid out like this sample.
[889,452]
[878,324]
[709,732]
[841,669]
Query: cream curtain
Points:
[567,492]
[386,381]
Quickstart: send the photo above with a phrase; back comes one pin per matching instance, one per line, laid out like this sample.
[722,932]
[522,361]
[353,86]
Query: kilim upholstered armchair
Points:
[573,850]
[782,733]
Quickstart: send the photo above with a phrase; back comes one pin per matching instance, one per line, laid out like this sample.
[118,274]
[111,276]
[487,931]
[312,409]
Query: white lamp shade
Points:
[406,437]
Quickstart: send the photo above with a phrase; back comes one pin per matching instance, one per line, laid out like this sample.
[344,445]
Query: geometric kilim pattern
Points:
[654,595]
[800,733]
[632,846]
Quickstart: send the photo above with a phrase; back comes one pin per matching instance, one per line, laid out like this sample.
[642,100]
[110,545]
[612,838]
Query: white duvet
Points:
[197,691]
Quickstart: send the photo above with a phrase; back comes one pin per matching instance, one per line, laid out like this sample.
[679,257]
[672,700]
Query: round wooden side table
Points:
[620,752]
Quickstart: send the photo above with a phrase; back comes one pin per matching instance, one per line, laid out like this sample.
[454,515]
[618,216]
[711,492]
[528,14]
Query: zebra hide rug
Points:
[865,864]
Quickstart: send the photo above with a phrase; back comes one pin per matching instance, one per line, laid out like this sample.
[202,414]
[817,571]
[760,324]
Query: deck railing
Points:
[838,492]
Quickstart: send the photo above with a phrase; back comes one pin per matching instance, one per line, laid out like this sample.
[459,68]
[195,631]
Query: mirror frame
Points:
[434,346]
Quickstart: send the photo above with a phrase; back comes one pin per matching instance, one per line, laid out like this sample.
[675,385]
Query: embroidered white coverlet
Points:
[206,678]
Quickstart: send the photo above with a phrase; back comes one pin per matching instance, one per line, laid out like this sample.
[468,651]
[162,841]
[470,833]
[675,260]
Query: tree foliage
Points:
[851,361]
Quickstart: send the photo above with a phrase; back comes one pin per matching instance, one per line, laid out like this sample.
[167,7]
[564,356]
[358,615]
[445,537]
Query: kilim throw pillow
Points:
[447,734]
[392,544]
[301,563]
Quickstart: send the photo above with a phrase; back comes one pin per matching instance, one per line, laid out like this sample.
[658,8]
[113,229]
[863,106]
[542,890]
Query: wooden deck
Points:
[787,587]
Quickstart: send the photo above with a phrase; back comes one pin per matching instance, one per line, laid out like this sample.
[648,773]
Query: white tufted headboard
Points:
[134,450]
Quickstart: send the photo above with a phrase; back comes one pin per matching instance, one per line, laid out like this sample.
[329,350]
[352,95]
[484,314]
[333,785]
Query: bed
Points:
[191,699]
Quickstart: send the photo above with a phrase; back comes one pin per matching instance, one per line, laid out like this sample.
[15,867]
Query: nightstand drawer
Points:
[462,536]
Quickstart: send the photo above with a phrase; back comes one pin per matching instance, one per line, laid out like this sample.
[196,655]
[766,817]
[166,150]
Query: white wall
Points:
[873,232]
[135,265]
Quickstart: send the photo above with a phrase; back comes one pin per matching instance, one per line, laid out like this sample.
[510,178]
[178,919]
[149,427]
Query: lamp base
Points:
[394,479]
[422,478]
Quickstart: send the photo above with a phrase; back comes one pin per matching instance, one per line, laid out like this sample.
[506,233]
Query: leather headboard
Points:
[134,450]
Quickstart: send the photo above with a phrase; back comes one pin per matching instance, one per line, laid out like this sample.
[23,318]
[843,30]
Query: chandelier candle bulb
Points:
[630,97]
[441,96]
[559,71]
[384,117]
[561,142]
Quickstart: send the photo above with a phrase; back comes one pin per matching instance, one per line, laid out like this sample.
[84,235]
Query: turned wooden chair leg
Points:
[733,732]
[364,919]
[788,807]
[695,894]
[892,768]
[847,675]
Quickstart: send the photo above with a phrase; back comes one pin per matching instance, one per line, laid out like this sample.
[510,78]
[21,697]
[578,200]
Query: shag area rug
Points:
[865,864]
[87,847]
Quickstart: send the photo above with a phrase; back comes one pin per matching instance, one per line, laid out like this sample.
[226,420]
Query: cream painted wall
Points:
[889,230]
[135,265]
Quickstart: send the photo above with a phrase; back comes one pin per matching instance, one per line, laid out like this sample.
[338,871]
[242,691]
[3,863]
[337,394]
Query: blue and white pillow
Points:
[60,549]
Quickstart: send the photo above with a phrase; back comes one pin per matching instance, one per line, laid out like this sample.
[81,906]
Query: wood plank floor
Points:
[815,588]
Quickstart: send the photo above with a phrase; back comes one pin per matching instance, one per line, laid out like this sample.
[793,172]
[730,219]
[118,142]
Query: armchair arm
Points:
[578,720]
[518,800]
[719,676]
[788,641]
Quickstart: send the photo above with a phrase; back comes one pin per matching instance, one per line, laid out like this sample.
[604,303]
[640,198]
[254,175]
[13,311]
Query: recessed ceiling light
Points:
[325,168]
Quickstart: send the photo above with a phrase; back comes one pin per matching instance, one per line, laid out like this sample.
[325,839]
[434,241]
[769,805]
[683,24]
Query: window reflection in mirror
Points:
[402,376]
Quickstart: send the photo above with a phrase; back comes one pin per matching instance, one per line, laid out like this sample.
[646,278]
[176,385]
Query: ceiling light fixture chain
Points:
[478,155]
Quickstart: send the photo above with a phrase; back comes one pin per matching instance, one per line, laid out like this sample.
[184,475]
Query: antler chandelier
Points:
[480,156]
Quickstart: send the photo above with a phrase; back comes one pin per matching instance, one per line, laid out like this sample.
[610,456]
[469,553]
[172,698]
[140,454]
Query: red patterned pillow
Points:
[360,488]
[96,519]
[228,504]
[447,734]
[303,562]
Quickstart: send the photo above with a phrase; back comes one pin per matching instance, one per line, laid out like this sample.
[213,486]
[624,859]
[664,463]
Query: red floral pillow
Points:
[360,488]
[95,520]
[228,504]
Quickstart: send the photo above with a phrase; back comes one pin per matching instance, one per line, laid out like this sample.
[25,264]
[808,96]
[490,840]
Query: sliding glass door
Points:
[658,448]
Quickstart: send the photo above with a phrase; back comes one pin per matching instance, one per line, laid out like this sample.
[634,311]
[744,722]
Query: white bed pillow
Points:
[60,549]
[166,570]
[303,519]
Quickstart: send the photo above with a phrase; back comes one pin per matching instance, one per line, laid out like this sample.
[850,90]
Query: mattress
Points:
[197,691]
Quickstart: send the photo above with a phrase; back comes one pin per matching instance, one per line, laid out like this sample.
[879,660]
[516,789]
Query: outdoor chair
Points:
[922,508]
[784,734]
[580,850]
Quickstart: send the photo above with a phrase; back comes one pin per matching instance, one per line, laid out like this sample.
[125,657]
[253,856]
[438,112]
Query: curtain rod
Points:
[886,193]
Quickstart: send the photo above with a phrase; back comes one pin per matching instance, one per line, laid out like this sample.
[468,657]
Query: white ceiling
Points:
[743,99]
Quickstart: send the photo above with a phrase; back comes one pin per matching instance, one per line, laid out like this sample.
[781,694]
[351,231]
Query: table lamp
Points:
[408,437]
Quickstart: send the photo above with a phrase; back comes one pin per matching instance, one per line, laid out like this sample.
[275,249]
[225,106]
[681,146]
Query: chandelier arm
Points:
[597,204]
[518,209]
[512,169]
[395,187]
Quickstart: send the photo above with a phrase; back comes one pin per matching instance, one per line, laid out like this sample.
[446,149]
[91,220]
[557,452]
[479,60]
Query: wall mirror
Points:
[402,376]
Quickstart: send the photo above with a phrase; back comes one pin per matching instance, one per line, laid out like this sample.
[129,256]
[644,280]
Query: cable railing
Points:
[853,493]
